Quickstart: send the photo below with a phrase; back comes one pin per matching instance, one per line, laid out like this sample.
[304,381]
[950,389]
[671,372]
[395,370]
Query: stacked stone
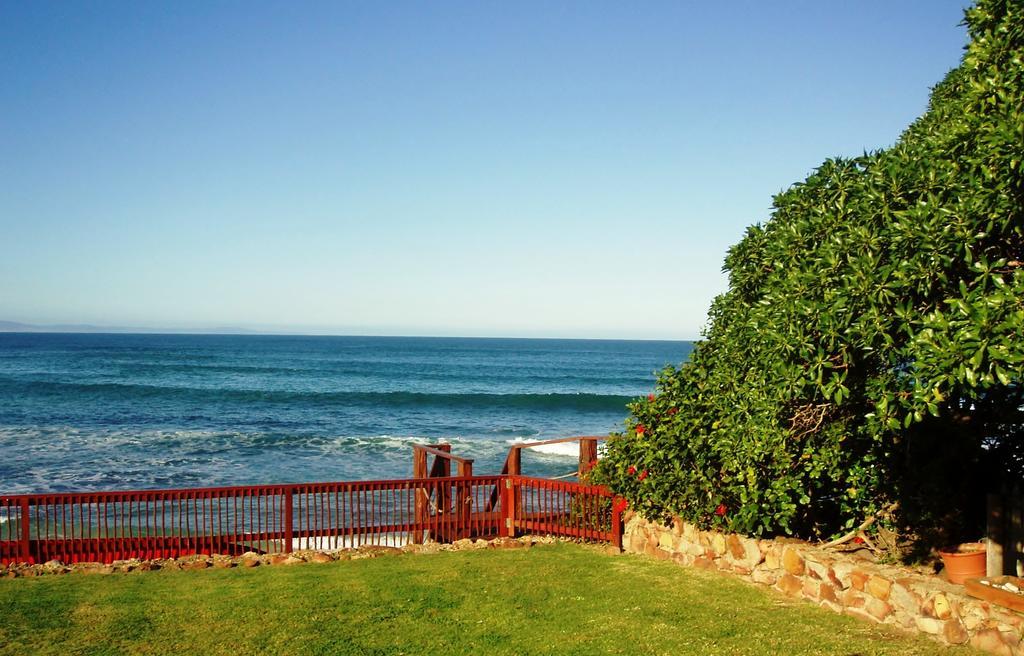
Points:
[253,559]
[842,583]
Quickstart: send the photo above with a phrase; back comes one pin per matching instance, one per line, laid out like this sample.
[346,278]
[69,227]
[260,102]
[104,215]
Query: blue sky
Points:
[496,169]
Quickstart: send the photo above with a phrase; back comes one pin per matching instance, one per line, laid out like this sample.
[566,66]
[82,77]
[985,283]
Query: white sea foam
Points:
[131,458]
[563,449]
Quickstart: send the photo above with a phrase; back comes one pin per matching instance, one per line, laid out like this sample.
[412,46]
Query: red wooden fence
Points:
[540,506]
[108,526]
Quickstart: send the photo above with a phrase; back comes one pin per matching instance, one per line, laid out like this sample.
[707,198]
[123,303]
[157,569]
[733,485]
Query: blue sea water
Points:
[117,411]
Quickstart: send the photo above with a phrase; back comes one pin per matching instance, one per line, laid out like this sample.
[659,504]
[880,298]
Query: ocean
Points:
[118,411]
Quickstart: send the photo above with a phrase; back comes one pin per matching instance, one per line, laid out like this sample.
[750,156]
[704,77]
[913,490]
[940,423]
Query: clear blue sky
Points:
[478,168]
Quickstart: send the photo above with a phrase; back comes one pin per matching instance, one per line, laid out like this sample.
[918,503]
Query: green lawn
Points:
[562,599]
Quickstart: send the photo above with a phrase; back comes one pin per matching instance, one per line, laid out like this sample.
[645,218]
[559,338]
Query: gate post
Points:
[508,507]
[588,457]
[510,493]
[514,463]
[420,494]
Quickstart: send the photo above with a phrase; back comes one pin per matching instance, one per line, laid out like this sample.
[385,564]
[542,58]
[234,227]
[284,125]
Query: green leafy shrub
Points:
[870,347]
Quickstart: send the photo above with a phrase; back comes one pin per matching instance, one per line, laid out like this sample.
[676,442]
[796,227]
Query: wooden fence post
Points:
[419,462]
[26,544]
[443,469]
[508,506]
[588,457]
[442,466]
[288,530]
[510,493]
[511,505]
[421,495]
[514,464]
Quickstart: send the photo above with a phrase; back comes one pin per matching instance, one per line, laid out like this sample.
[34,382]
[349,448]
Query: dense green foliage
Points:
[559,599]
[870,348]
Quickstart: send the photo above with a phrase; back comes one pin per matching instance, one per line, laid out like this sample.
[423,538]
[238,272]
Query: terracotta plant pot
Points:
[964,561]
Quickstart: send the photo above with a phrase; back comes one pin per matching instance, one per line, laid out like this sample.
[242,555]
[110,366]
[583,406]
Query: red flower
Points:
[631,470]
[620,505]
[642,475]
[672,411]
[721,510]
[640,429]
[650,397]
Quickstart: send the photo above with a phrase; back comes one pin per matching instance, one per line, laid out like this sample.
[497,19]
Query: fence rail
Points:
[108,526]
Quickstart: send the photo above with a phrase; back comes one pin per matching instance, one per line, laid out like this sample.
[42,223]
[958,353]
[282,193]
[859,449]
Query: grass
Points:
[563,599]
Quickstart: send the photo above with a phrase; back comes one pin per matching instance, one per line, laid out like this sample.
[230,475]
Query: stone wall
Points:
[252,559]
[841,582]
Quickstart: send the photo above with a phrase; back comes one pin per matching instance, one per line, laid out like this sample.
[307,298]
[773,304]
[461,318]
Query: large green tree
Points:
[870,347]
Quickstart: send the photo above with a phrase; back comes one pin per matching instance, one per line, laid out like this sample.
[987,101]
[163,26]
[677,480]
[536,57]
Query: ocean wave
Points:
[563,449]
[57,439]
[581,401]
[204,369]
[64,458]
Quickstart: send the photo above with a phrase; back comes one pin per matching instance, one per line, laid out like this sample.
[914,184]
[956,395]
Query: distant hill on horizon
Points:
[19,327]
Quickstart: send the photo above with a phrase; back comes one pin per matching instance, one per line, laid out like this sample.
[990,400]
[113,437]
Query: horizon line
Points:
[14,328]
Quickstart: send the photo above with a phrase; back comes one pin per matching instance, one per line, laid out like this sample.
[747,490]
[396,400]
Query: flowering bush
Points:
[868,349]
